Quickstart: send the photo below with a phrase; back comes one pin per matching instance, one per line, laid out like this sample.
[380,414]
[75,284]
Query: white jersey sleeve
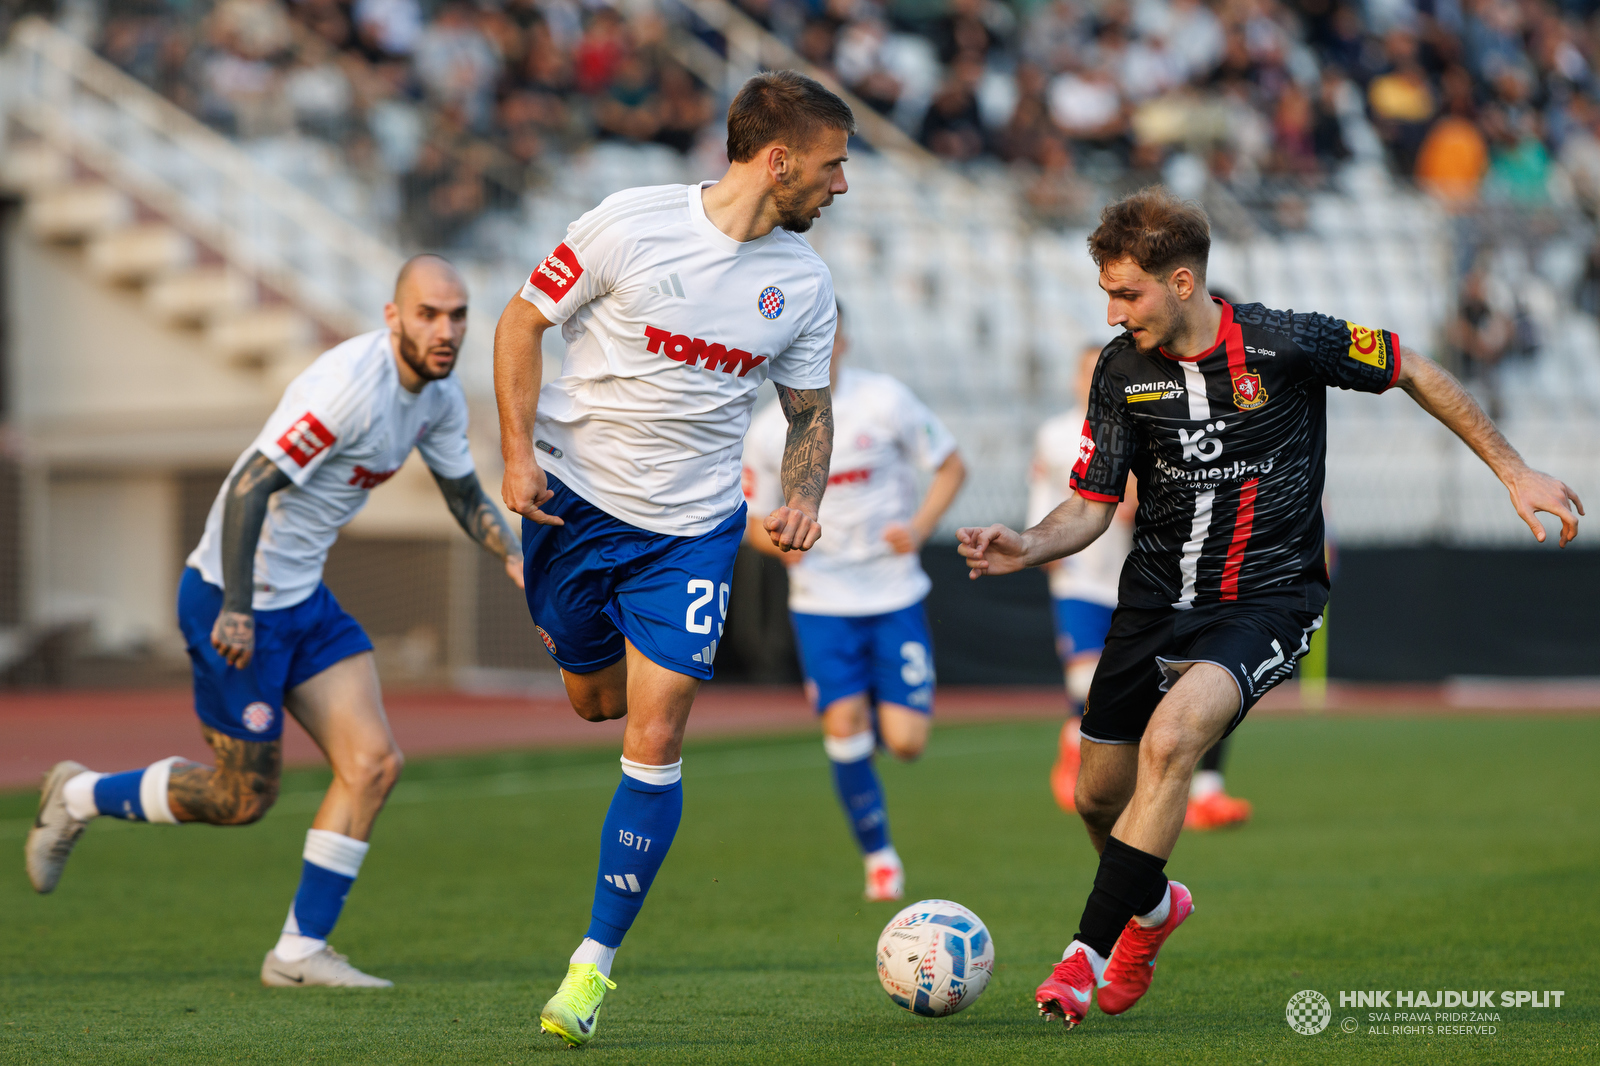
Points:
[585,266]
[925,440]
[444,445]
[804,364]
[314,419]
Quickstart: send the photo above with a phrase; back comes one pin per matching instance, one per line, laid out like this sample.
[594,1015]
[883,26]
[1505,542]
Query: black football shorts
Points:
[1257,642]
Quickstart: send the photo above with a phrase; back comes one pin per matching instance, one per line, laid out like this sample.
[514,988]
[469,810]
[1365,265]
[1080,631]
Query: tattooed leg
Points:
[237,791]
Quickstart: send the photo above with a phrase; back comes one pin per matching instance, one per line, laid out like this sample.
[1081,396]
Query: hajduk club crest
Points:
[1247,391]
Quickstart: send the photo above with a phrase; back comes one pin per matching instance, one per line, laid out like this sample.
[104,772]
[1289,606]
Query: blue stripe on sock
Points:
[320,899]
[638,830]
[862,798]
[117,795]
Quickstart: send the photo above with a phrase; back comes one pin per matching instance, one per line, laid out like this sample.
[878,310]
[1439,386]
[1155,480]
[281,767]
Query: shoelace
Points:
[1061,971]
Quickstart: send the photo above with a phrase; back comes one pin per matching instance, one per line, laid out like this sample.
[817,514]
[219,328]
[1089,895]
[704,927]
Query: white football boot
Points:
[54,830]
[326,967]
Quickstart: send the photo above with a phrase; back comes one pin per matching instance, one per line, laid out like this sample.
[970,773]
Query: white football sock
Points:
[1159,914]
[78,794]
[852,748]
[1205,783]
[883,857]
[292,947]
[1096,961]
[153,792]
[670,774]
[595,952]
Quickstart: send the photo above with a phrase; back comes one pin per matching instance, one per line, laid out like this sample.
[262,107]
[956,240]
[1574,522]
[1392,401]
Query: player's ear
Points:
[779,160]
[391,316]
[1182,282]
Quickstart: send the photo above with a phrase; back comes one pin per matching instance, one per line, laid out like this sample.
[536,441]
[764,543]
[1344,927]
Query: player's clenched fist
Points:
[525,491]
[234,637]
[792,529]
[994,551]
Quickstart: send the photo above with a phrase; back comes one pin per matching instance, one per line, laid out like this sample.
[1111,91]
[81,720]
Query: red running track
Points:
[115,730]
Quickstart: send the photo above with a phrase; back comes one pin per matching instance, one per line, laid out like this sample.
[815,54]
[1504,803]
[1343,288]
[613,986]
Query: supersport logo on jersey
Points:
[555,276]
[306,439]
[686,349]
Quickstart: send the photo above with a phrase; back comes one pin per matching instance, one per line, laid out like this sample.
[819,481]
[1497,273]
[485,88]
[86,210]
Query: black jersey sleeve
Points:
[1347,356]
[1107,445]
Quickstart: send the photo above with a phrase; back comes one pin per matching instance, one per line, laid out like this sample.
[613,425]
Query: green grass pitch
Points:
[1385,854]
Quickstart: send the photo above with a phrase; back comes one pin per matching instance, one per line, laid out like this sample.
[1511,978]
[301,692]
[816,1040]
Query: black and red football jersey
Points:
[1229,448]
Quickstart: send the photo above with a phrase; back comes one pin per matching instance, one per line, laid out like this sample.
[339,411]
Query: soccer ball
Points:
[935,957]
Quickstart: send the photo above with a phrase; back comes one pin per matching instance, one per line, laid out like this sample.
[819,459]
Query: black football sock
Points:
[1212,760]
[1128,882]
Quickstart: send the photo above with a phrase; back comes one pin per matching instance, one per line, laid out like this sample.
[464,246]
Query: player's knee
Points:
[1095,802]
[1167,752]
[906,749]
[372,772]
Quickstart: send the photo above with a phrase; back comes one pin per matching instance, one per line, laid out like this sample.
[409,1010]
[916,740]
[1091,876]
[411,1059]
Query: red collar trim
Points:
[1222,334]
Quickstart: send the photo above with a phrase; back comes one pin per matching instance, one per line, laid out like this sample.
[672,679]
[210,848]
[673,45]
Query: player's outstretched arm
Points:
[518,373]
[804,474]
[1442,396]
[947,481]
[1071,527]
[243,510]
[482,520]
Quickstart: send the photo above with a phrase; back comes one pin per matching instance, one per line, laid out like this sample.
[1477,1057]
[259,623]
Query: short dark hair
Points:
[1157,230]
[783,107]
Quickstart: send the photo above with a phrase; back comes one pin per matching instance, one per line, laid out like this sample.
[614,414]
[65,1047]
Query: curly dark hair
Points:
[1159,231]
[783,107]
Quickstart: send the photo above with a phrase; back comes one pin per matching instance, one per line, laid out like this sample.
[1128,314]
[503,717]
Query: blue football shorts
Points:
[293,645]
[597,580]
[1081,627]
[887,656]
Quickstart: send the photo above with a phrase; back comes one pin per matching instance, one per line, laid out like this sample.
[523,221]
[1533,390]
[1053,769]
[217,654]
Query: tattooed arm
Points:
[243,511]
[482,520]
[804,475]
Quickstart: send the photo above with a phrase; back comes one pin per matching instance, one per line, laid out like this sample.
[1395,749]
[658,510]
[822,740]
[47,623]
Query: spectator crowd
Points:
[1475,100]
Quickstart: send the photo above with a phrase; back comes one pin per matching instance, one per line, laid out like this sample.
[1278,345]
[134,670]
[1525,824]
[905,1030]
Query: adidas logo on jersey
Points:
[626,882]
[669,286]
[686,349]
[706,654]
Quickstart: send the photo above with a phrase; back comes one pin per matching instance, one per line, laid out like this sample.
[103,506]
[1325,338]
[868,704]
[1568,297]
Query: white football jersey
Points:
[671,327]
[343,427]
[1091,574]
[882,435]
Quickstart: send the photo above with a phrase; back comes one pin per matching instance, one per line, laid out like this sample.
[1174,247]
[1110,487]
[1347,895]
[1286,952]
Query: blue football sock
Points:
[328,868]
[639,828]
[117,795]
[856,781]
[134,795]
